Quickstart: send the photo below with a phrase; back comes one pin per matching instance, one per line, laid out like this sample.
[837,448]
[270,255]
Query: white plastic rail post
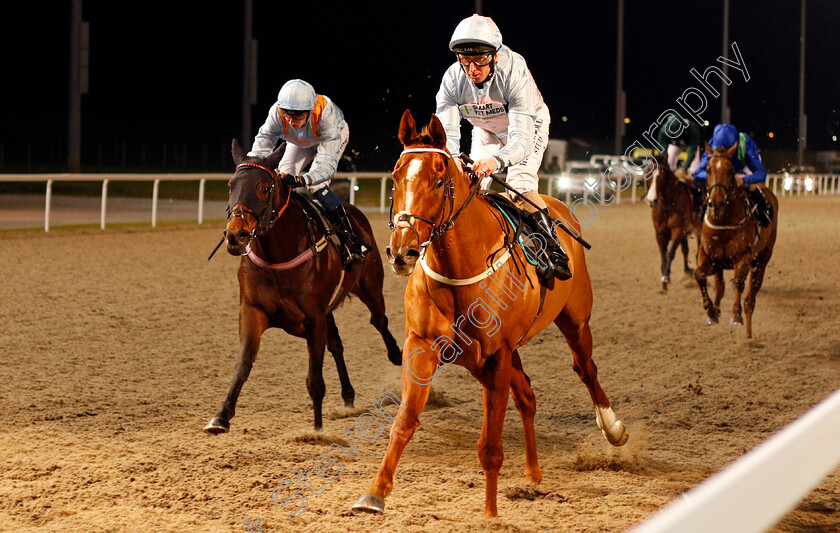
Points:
[155,191]
[104,203]
[201,201]
[48,206]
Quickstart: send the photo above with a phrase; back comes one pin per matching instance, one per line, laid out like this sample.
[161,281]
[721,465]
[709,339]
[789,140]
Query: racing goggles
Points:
[294,115]
[480,60]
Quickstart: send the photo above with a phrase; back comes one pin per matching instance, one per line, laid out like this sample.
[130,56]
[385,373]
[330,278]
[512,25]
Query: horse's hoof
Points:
[612,428]
[689,272]
[395,358]
[736,321]
[534,477]
[711,321]
[664,289]
[217,426]
[618,434]
[370,503]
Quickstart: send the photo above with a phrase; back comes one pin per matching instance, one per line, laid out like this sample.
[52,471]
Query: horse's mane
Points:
[423,138]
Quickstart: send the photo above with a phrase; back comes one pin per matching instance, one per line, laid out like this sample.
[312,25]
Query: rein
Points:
[405,219]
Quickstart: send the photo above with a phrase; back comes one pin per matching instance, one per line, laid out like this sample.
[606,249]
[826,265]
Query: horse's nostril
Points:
[413,253]
[242,235]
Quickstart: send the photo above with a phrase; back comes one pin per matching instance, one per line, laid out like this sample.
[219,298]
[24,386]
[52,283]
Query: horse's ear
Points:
[273,159]
[408,129]
[236,151]
[436,132]
[709,149]
[731,151]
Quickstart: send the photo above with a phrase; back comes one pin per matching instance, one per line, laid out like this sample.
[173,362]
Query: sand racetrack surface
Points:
[118,347]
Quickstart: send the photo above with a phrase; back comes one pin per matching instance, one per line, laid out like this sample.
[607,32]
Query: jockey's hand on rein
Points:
[291,181]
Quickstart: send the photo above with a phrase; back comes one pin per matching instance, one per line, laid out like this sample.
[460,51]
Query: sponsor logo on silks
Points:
[485,110]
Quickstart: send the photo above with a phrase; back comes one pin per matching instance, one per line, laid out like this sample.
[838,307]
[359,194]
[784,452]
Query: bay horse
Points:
[455,314]
[732,240]
[674,217]
[291,280]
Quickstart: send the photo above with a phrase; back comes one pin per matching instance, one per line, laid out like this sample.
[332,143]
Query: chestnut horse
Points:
[453,314]
[732,240]
[674,217]
[290,281]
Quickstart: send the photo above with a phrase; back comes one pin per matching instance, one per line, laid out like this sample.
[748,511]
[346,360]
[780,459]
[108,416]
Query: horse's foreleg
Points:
[419,371]
[669,258]
[526,403]
[316,343]
[337,350]
[703,270]
[496,378]
[741,270]
[720,289]
[664,267]
[579,338]
[759,266]
[370,293]
[252,324]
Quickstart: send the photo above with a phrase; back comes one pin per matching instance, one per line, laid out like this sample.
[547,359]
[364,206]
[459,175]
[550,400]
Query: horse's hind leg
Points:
[337,350]
[684,246]
[252,324]
[579,337]
[526,403]
[759,265]
[369,292]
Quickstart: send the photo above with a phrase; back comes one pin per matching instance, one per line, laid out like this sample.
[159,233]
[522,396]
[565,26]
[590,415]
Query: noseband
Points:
[405,219]
[726,190]
[267,216]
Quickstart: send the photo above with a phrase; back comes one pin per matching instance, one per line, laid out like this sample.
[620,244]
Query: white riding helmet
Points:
[296,95]
[476,34]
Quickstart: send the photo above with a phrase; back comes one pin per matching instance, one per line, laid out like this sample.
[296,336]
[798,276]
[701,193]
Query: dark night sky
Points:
[171,71]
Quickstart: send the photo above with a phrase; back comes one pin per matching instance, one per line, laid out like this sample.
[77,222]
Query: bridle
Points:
[440,223]
[726,190]
[728,196]
[267,216]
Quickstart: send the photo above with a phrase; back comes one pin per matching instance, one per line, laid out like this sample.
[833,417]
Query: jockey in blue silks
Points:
[749,172]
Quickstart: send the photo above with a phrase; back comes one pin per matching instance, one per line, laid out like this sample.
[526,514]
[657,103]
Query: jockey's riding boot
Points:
[353,250]
[761,208]
[554,255]
[553,260]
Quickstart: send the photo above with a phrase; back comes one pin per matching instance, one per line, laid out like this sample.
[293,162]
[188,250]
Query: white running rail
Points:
[758,489]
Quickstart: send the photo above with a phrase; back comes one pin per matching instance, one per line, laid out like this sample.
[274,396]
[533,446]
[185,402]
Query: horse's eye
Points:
[439,184]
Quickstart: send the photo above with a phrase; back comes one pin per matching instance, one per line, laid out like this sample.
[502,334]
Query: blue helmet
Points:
[296,95]
[724,135]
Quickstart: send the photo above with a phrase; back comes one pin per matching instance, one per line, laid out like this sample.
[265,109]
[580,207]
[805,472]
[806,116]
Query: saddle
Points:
[512,213]
[316,219]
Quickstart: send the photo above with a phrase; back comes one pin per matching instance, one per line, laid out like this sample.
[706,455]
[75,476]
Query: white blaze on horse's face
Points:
[650,197]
